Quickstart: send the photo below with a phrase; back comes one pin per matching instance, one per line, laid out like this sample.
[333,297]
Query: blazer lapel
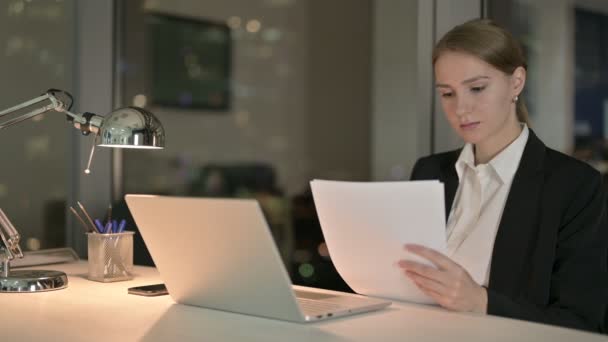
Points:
[520,220]
[449,177]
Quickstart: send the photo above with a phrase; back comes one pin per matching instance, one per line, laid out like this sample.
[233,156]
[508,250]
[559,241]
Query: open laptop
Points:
[220,254]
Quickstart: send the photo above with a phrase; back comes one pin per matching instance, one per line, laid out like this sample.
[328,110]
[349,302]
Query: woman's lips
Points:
[469,126]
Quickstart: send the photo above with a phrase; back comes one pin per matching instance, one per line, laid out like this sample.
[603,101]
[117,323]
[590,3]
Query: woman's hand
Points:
[449,284]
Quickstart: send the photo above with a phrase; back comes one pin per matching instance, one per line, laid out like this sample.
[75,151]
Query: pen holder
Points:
[110,256]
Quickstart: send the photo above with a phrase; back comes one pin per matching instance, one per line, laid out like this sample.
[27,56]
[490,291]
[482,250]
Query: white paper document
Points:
[367,224]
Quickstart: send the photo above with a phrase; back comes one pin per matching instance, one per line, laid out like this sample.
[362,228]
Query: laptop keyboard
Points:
[312,307]
[312,295]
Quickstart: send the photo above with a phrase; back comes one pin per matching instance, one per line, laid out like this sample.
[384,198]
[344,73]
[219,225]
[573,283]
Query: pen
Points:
[114,226]
[100,226]
[109,214]
[84,224]
[86,214]
[108,229]
[121,226]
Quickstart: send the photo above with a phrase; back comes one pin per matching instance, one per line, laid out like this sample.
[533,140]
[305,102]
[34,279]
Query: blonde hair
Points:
[491,43]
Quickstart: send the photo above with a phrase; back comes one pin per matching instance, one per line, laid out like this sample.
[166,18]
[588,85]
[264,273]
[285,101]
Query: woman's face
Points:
[476,97]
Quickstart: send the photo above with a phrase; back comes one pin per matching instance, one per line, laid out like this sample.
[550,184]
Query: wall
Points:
[339,86]
[553,120]
[396,96]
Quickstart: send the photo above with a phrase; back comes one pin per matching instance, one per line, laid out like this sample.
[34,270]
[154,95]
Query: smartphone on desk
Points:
[149,290]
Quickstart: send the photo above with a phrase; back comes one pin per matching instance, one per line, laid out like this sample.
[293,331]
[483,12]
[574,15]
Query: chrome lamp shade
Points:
[131,127]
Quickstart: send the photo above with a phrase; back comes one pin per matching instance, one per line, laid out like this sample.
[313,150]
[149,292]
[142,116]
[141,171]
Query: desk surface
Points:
[93,311]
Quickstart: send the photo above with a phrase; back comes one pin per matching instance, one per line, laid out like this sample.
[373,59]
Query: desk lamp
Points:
[129,127]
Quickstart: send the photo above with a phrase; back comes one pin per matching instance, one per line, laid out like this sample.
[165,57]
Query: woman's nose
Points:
[463,106]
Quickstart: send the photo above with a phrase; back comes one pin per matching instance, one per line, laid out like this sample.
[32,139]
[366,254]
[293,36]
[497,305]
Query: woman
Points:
[527,234]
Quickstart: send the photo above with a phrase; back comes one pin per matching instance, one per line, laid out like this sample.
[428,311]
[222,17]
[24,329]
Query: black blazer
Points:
[549,262]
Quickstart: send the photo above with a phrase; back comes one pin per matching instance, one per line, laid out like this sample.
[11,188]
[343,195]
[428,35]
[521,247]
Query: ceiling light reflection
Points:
[234,22]
[253,26]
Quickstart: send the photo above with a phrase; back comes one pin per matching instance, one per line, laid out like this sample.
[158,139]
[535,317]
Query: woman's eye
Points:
[477,89]
[446,95]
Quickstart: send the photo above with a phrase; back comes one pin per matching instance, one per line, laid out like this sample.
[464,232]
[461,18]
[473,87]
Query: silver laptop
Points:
[220,254]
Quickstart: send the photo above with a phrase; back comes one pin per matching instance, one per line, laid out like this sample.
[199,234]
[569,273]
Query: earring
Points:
[515,98]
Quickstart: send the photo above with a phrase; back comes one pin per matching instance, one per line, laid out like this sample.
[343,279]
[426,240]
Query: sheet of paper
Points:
[45,257]
[367,224]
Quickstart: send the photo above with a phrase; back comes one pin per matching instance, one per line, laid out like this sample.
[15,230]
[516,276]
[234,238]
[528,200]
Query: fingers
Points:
[438,259]
[427,283]
[433,294]
[424,270]
[450,285]
[438,292]
[430,290]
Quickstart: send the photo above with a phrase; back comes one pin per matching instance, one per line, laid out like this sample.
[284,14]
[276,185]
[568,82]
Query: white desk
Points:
[92,311]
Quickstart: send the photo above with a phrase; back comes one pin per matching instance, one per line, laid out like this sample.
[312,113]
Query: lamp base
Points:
[33,281]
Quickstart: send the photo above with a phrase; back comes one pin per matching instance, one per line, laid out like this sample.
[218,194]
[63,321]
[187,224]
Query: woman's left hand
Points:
[449,284]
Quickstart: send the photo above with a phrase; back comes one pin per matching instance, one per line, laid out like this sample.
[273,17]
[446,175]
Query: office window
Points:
[566,44]
[591,87]
[36,53]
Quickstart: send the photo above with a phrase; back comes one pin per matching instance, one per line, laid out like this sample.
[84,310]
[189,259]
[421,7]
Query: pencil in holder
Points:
[110,256]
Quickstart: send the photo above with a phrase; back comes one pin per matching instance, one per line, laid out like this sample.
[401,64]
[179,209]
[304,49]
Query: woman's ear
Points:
[518,80]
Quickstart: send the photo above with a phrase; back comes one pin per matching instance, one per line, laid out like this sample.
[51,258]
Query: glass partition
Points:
[257,98]
[36,53]
[566,43]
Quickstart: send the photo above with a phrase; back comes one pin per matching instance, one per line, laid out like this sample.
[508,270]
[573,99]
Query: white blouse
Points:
[478,206]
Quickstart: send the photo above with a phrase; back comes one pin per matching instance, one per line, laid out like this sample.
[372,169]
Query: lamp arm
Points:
[10,238]
[86,122]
